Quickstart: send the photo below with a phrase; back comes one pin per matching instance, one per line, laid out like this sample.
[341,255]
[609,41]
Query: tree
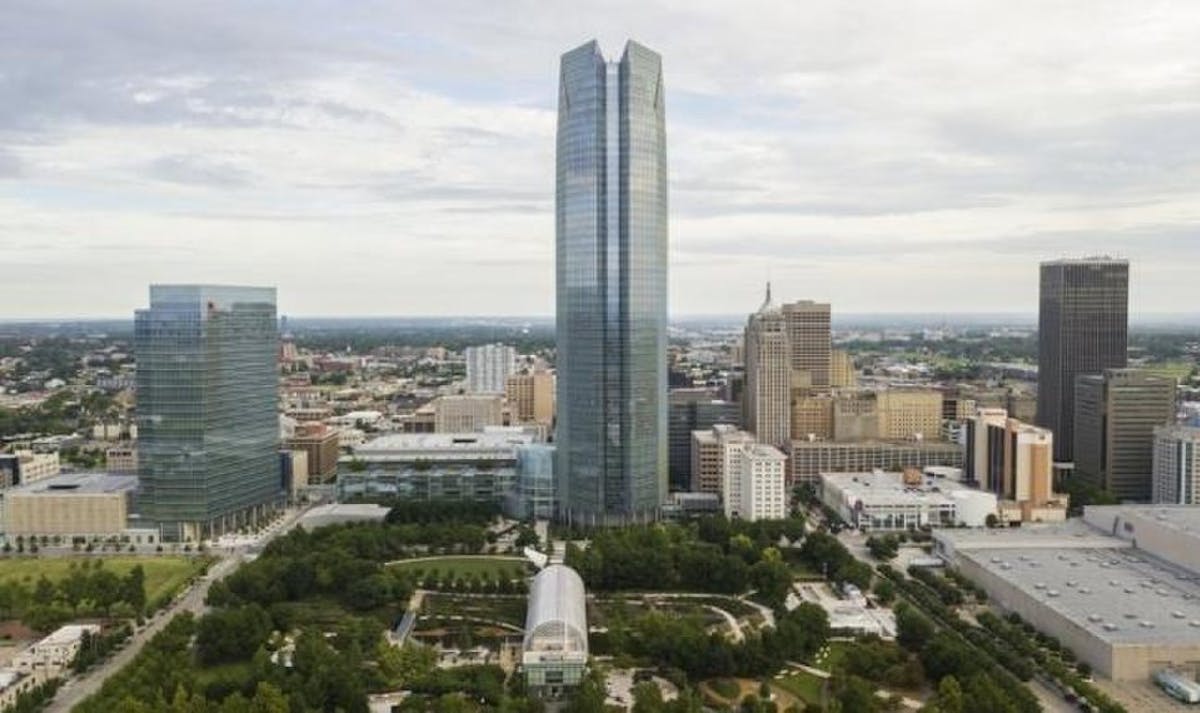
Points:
[43,591]
[268,699]
[913,629]
[133,588]
[950,696]
[74,588]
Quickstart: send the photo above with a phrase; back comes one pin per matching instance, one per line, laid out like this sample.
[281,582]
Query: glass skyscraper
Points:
[208,424]
[611,227]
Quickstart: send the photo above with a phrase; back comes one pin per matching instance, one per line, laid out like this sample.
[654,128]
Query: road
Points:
[76,689]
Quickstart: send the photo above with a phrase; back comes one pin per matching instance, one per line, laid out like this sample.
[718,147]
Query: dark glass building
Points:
[1083,328]
[693,409]
[208,425]
[1116,413]
[611,252]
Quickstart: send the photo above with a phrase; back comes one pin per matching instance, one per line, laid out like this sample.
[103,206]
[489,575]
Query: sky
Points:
[397,158]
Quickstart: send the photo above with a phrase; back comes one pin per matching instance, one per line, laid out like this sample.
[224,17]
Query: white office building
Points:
[1176,468]
[904,501]
[489,366]
[754,482]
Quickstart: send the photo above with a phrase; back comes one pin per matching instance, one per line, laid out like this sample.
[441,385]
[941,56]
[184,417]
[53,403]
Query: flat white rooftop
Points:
[882,488]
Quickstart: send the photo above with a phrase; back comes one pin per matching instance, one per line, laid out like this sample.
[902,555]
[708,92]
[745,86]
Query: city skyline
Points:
[321,154]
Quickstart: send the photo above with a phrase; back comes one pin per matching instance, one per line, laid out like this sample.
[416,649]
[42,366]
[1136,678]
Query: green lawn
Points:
[832,660]
[803,685]
[164,575]
[459,567]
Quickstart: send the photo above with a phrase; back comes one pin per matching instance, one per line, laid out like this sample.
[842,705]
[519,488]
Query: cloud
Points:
[845,149]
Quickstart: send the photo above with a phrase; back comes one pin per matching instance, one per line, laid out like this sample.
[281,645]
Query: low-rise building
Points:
[321,444]
[467,413]
[808,459]
[55,652]
[903,501]
[427,466]
[71,505]
[121,460]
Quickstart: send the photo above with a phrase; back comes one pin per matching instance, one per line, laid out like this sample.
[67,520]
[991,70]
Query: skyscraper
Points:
[1116,413]
[208,426]
[808,333]
[489,366]
[611,254]
[692,409]
[768,392]
[1083,324]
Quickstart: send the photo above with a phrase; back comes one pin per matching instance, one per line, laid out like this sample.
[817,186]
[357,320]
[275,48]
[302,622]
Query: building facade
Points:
[710,456]
[810,346]
[611,255]
[1083,326]
[842,372]
[71,505]
[768,390]
[757,474]
[321,445]
[531,397]
[488,368]
[692,409]
[1116,413]
[466,413]
[1176,465]
[1015,461]
[808,459]
[208,429]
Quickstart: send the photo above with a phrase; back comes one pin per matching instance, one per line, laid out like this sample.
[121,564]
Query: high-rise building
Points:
[208,428]
[531,397]
[767,395]
[710,456]
[1082,329]
[688,410]
[906,414]
[611,254]
[1115,416]
[808,342]
[489,366]
[1015,461]
[755,483]
[1176,465]
[812,417]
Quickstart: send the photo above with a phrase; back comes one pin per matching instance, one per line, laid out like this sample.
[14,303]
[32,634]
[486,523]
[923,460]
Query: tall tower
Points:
[208,424]
[768,392]
[611,255]
[1083,328]
[810,342]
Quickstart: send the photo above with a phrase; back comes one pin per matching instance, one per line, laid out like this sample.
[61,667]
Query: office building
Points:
[908,500]
[688,410]
[1176,465]
[812,417]
[809,345]
[808,459]
[710,456]
[531,397]
[909,414]
[1119,587]
[70,505]
[27,466]
[611,254]
[1014,461]
[208,429]
[533,496]
[320,444]
[768,389]
[121,460]
[1082,329]
[467,413]
[554,653]
[842,372]
[755,483]
[1115,416]
[434,466]
[488,368]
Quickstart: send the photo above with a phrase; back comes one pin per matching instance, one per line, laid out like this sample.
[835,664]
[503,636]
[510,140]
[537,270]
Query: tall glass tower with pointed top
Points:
[611,252]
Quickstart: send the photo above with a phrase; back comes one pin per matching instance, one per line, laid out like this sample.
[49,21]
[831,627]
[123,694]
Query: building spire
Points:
[766,305]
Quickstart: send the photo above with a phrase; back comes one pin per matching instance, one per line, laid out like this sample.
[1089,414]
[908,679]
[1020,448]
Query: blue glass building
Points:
[208,424]
[611,245]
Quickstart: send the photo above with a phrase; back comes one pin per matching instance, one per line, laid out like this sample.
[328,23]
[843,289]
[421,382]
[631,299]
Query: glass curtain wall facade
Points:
[208,425]
[611,250]
[1083,325]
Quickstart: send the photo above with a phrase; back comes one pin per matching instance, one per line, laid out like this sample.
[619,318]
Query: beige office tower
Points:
[856,416]
[531,397]
[711,452]
[809,341]
[842,373]
[767,395]
[812,417]
[908,414]
[1014,460]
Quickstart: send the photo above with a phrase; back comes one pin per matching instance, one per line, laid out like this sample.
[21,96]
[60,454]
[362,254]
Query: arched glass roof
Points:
[557,616]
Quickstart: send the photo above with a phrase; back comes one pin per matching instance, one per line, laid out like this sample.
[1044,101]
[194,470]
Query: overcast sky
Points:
[397,158]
